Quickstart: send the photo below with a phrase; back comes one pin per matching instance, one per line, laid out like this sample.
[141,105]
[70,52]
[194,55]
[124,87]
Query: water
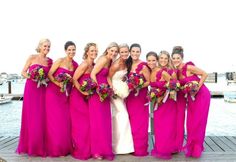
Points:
[221,121]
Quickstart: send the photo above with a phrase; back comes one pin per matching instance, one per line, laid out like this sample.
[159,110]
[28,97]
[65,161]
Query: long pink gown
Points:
[79,111]
[181,108]
[100,122]
[164,124]
[139,118]
[197,114]
[58,122]
[32,134]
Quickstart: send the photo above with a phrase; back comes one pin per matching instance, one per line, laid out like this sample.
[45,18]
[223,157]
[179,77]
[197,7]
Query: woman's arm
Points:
[101,62]
[113,69]
[52,70]
[198,71]
[173,75]
[24,72]
[166,76]
[78,73]
[146,73]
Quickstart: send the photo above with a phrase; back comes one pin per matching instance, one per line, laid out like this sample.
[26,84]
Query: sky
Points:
[205,28]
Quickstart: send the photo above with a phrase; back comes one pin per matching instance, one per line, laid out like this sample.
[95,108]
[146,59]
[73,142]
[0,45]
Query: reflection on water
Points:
[221,121]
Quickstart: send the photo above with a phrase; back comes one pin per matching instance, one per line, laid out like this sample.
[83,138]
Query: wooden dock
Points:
[217,148]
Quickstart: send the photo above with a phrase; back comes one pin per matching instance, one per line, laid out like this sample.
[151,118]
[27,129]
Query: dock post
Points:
[9,87]
[216,75]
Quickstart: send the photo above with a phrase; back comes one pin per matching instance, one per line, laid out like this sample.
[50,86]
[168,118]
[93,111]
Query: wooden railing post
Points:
[9,87]
[216,76]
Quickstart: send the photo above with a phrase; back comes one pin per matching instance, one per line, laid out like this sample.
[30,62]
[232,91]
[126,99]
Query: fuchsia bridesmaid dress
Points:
[197,114]
[79,112]
[58,121]
[139,117]
[100,122]
[32,134]
[164,123]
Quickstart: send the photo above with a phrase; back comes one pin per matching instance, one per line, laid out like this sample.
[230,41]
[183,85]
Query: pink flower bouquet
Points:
[65,79]
[38,75]
[135,82]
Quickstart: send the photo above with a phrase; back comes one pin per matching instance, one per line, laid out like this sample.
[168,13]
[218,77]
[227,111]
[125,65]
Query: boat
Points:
[230,93]
[2,80]
[230,96]
[5,99]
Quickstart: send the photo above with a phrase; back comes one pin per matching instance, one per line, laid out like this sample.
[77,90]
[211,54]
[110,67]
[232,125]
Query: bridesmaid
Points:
[100,111]
[79,109]
[58,126]
[138,112]
[122,141]
[197,110]
[165,115]
[32,132]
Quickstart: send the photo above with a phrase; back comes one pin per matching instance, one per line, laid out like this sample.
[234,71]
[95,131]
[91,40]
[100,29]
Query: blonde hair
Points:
[112,44]
[169,65]
[123,45]
[41,43]
[86,49]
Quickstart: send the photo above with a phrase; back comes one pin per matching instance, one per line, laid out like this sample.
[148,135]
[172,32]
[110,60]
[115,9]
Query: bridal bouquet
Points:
[190,88]
[38,75]
[88,85]
[173,86]
[154,97]
[120,88]
[65,79]
[104,91]
[135,82]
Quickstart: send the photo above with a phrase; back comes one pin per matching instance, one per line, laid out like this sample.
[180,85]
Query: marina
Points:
[220,141]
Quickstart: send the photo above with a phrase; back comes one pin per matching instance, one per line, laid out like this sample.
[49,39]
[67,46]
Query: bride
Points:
[122,141]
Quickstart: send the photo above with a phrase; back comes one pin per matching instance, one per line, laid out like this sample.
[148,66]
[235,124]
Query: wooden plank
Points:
[4,140]
[12,147]
[213,145]
[221,144]
[207,148]
[228,142]
[232,139]
[9,143]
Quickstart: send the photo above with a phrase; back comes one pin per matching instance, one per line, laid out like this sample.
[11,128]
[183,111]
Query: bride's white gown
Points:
[122,141]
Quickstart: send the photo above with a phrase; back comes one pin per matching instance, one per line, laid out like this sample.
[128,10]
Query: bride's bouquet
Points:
[135,82]
[38,75]
[66,81]
[190,88]
[104,91]
[120,88]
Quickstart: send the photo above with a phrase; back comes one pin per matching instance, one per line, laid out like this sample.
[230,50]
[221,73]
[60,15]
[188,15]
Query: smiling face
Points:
[124,53]
[112,52]
[163,60]
[70,51]
[92,52]
[135,53]
[177,60]
[45,47]
[152,61]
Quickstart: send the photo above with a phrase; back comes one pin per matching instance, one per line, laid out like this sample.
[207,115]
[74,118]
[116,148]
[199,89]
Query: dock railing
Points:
[212,77]
[230,77]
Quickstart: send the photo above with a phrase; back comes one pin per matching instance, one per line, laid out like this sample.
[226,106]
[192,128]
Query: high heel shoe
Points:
[97,157]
